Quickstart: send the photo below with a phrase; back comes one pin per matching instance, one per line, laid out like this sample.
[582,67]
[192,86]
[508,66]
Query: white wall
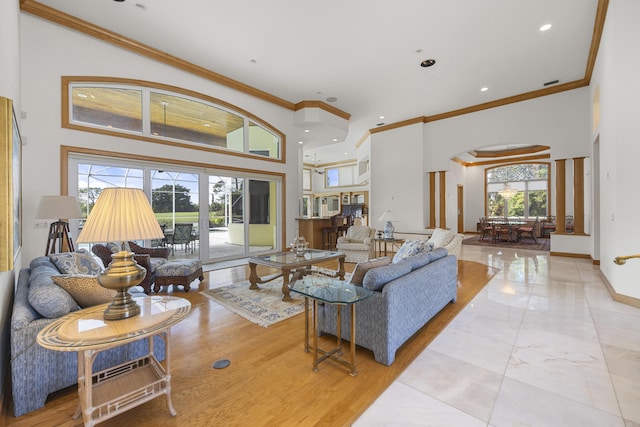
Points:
[616,76]
[398,181]
[401,158]
[560,121]
[474,204]
[50,51]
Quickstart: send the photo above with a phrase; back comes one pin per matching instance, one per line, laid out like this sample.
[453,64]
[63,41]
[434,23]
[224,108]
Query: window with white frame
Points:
[518,190]
[341,176]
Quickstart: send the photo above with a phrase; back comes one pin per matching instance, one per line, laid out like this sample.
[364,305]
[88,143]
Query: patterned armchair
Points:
[357,244]
[149,258]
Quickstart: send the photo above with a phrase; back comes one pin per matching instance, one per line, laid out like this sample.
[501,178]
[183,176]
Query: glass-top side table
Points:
[117,389]
[382,242]
[330,291]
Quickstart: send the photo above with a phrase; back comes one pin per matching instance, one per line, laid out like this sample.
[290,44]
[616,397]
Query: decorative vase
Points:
[388,230]
[299,246]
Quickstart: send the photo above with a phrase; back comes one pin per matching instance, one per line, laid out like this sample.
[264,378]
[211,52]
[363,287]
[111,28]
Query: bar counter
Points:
[311,229]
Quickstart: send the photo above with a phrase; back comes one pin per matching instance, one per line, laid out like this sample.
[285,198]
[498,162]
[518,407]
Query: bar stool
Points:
[344,226]
[330,234]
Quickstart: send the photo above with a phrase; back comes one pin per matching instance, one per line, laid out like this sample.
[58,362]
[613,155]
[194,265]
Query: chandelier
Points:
[507,192]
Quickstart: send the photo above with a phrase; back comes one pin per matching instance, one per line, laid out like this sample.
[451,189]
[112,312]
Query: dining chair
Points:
[502,231]
[568,224]
[548,226]
[528,229]
[486,228]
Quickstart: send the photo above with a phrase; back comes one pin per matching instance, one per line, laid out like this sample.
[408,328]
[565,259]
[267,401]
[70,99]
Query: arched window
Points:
[166,114]
[517,190]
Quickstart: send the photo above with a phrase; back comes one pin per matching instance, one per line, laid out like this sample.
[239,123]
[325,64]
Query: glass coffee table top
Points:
[292,258]
[330,290]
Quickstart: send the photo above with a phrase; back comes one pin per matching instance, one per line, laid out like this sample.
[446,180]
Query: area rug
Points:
[542,245]
[263,307]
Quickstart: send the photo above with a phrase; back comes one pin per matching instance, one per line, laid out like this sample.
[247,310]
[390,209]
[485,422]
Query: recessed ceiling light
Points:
[307,131]
[332,99]
[545,27]
[335,139]
[427,63]
[141,6]
[300,142]
[484,89]
[253,61]
[381,117]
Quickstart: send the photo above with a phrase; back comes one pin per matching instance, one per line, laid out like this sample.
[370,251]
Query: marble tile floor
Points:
[543,344]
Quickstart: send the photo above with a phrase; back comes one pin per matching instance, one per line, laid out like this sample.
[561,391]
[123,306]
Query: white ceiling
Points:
[365,53]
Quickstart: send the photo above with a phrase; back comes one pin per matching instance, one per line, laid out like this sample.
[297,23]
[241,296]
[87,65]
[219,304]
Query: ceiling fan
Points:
[315,167]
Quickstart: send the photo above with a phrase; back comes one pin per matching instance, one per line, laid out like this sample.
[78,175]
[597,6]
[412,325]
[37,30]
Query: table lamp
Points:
[62,208]
[120,215]
[388,218]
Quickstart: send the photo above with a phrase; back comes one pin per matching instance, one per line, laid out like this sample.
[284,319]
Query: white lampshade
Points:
[387,216]
[58,207]
[119,215]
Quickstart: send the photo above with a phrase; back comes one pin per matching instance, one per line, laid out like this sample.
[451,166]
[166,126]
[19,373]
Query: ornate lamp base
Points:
[122,274]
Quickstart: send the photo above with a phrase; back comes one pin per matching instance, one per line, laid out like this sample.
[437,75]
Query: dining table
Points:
[511,225]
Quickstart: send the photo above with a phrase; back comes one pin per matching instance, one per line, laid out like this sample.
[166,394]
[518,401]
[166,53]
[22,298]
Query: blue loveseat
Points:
[407,295]
[35,371]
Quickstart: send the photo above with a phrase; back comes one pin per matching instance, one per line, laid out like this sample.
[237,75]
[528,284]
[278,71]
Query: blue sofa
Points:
[407,294]
[35,371]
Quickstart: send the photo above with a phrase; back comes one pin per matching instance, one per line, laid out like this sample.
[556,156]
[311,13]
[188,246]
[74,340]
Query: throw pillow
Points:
[79,262]
[86,290]
[362,267]
[411,248]
[44,296]
[377,278]
[440,237]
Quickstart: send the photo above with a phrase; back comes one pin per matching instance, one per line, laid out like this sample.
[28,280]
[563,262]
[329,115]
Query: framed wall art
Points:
[10,186]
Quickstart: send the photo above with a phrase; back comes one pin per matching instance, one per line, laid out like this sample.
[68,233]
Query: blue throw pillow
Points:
[79,262]
[45,297]
[376,278]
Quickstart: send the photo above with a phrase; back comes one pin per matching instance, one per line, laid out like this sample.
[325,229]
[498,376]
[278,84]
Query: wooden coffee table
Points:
[289,262]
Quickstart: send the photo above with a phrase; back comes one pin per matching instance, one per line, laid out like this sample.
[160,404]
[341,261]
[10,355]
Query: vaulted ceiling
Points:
[363,57]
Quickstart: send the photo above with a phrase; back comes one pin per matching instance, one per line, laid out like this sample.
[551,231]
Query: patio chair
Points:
[181,236]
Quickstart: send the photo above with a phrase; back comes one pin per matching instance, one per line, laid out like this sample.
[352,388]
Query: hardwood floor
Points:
[269,381]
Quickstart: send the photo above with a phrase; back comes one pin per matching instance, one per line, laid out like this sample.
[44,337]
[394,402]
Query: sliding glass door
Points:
[230,214]
[240,215]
